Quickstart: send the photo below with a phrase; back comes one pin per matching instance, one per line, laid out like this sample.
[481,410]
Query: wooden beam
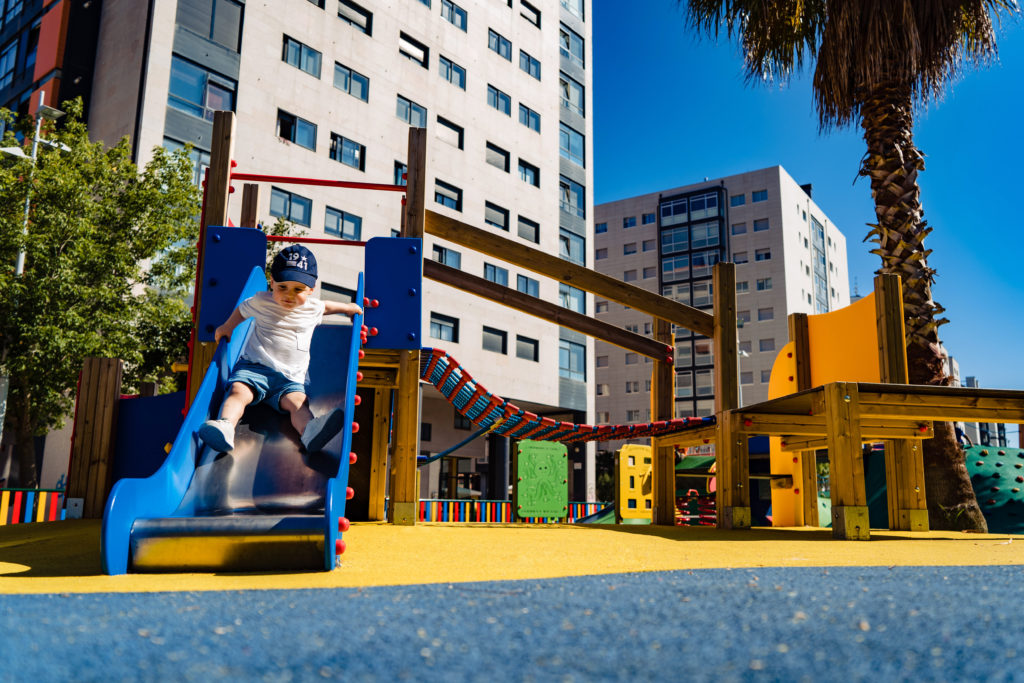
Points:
[663,408]
[846,475]
[250,217]
[732,462]
[380,358]
[379,454]
[546,310]
[698,436]
[559,269]
[726,367]
[892,343]
[405,442]
[386,378]
[416,184]
[800,336]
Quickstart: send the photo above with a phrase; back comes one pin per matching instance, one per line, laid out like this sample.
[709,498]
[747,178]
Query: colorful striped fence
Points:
[499,511]
[19,506]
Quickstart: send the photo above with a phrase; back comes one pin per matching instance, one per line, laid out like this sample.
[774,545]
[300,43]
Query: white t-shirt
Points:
[280,337]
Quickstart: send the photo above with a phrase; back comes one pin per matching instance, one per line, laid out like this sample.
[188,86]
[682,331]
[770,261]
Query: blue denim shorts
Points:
[267,385]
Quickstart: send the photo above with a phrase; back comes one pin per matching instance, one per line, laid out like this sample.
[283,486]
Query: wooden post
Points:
[808,481]
[849,499]
[250,206]
[732,461]
[379,453]
[904,459]
[663,408]
[416,184]
[95,422]
[218,189]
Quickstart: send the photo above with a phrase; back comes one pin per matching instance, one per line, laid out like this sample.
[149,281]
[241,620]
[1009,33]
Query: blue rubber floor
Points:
[835,624]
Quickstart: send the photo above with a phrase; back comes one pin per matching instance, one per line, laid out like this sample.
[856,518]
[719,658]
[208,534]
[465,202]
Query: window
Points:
[684,384]
[758,196]
[427,4]
[742,287]
[301,56]
[527,349]
[764,283]
[529,64]
[8,57]
[744,348]
[601,307]
[461,421]
[529,173]
[702,293]
[290,206]
[739,228]
[496,274]
[572,94]
[426,430]
[530,13]
[600,228]
[649,272]
[496,216]
[454,14]
[675,239]
[413,49]
[601,361]
[632,327]
[499,44]
[701,262]
[629,248]
[448,195]
[743,316]
[572,360]
[738,200]
[602,390]
[633,416]
[216,20]
[760,225]
[601,254]
[740,257]
[444,327]
[704,234]
[356,16]
[449,132]
[603,417]
[193,89]
[676,267]
[633,387]
[704,383]
[529,118]
[570,146]
[765,314]
[766,376]
[452,72]
[650,245]
[329,292]
[497,157]
[448,257]
[294,129]
[400,170]
[647,219]
[766,345]
[631,358]
[348,152]
[572,197]
[571,246]
[527,285]
[673,212]
[347,226]
[703,206]
[200,159]
[354,83]
[629,276]
[411,113]
[499,100]
[762,254]
[575,7]
[572,298]
[495,340]
[529,230]
[680,292]
[570,45]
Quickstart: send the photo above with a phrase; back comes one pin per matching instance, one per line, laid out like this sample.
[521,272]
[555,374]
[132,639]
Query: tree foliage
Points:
[107,263]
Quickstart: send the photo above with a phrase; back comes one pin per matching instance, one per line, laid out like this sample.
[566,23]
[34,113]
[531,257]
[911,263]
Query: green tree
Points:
[105,246]
[874,61]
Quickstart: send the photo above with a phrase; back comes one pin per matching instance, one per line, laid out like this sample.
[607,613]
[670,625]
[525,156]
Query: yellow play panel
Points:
[64,557]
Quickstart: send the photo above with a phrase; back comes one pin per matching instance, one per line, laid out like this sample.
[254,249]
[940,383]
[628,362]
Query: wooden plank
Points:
[663,408]
[809,488]
[799,334]
[416,184]
[945,413]
[105,422]
[892,344]
[405,442]
[938,393]
[691,437]
[846,476]
[546,310]
[386,378]
[76,483]
[565,271]
[726,367]
[732,467]
[379,454]
[380,358]
[250,217]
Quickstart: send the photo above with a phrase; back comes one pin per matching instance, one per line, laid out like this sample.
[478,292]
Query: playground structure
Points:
[841,413]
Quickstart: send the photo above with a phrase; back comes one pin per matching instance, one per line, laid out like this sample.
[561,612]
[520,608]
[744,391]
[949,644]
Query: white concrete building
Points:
[329,89]
[789,258]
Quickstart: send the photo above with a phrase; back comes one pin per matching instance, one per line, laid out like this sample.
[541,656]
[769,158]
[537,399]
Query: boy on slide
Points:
[274,363]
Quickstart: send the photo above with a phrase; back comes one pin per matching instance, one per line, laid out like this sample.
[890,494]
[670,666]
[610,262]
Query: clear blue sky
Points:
[671,108]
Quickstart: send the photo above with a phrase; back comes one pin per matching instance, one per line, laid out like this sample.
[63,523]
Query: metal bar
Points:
[293,180]
[314,240]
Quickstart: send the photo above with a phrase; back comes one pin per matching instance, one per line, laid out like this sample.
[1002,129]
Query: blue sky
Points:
[671,108]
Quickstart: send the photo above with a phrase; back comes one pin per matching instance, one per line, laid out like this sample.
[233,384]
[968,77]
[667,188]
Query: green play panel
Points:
[997,475]
[542,484]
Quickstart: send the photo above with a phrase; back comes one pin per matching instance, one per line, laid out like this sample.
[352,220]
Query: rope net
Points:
[485,409]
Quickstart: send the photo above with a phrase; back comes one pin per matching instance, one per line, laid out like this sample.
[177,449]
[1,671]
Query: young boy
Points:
[275,359]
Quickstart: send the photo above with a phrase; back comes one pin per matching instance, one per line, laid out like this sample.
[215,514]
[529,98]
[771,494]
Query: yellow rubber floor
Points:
[64,557]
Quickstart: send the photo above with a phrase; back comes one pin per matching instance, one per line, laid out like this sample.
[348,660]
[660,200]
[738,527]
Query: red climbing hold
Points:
[349,493]
[352,457]
[357,399]
[373,331]
[343,524]
[355,427]
[359,376]
[339,547]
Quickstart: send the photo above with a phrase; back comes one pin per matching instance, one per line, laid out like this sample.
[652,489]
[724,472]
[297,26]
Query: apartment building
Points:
[789,258]
[329,89]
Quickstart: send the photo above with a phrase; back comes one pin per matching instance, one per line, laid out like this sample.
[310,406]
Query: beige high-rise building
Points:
[789,258]
[329,89]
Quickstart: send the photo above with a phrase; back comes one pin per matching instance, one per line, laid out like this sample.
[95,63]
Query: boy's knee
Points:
[241,390]
[293,401]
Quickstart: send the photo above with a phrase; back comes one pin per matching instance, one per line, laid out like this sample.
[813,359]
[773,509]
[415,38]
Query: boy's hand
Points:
[349,309]
[222,332]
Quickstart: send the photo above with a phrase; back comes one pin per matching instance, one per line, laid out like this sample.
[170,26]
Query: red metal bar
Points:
[314,240]
[292,180]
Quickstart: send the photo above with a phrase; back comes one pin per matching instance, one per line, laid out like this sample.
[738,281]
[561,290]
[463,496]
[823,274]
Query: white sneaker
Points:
[218,435]
[322,429]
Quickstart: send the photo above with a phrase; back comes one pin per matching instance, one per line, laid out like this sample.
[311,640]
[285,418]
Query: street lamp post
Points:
[43,111]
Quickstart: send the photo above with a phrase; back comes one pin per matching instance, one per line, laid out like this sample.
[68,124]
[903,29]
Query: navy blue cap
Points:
[294,263]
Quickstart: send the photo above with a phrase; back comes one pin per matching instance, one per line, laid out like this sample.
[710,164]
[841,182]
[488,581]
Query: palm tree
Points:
[874,61]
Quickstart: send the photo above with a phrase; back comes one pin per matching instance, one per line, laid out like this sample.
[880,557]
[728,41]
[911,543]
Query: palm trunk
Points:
[892,164]
[24,434]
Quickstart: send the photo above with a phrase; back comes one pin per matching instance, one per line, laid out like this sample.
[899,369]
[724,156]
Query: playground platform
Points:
[64,557]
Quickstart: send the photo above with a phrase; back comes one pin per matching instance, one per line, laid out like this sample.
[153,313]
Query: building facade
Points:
[789,257]
[329,89]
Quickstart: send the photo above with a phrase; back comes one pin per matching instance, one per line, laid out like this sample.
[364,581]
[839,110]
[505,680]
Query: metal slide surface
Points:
[265,505]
